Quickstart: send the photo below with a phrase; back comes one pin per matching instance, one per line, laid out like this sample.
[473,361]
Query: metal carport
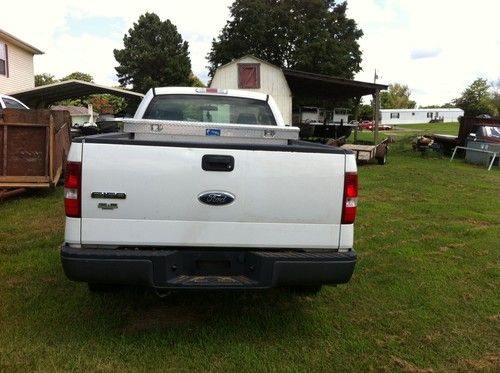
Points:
[327,87]
[305,84]
[43,96]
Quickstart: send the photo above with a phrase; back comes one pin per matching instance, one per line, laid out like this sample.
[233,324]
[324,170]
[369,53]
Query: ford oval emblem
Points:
[216,198]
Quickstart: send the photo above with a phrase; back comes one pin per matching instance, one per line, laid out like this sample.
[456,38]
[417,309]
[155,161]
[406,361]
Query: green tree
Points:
[154,55]
[309,35]
[447,105]
[194,81]
[107,103]
[78,76]
[495,95]
[44,79]
[397,97]
[365,112]
[476,99]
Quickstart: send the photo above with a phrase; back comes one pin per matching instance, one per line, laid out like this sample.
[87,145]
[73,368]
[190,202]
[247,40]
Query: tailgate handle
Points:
[214,162]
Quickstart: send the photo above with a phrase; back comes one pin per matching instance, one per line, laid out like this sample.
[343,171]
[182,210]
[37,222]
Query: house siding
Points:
[272,82]
[20,67]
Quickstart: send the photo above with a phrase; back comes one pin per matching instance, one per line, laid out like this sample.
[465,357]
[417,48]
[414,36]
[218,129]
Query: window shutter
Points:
[248,75]
[3,59]
[6,61]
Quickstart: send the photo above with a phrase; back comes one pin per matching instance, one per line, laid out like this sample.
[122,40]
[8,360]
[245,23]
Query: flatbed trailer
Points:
[366,152]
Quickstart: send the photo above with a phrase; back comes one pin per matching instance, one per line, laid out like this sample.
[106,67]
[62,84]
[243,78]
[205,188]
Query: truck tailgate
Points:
[282,199]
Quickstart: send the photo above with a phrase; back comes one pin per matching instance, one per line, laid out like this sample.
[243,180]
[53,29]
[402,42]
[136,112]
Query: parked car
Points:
[366,125]
[369,125]
[208,188]
[7,102]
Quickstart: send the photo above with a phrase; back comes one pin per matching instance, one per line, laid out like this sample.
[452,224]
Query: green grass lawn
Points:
[405,132]
[424,294]
[447,128]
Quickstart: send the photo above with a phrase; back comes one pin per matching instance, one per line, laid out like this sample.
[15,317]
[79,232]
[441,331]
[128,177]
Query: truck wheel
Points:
[306,289]
[382,160]
[102,288]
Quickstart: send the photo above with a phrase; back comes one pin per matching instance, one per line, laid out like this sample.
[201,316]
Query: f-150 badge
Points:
[108,195]
[216,198]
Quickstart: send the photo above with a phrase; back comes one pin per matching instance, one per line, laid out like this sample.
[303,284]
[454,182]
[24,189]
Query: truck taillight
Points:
[72,189]
[350,198]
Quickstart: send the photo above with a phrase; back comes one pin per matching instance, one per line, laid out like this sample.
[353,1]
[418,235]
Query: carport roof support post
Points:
[376,114]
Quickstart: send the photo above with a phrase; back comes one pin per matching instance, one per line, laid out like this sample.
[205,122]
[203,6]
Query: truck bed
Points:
[124,138]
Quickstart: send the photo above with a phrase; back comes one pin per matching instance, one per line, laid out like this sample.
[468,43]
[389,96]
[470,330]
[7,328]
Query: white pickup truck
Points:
[208,188]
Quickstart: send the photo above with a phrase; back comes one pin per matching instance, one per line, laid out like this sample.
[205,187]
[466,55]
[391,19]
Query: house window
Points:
[430,114]
[3,59]
[395,115]
[248,75]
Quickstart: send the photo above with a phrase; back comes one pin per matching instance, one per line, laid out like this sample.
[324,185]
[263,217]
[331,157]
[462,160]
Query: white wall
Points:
[21,75]
[409,116]
[272,82]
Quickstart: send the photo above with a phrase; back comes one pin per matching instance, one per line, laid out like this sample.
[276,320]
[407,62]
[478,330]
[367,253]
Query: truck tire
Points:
[102,288]
[306,289]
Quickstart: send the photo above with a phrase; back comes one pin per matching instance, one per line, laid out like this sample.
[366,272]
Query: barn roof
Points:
[236,60]
[70,89]
[306,84]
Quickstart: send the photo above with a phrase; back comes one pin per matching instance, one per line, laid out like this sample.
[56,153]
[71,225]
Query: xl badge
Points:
[107,206]
[216,198]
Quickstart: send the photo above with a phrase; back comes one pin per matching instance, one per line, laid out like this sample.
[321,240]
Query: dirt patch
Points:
[451,246]
[406,366]
[488,363]
[50,224]
[432,337]
[13,282]
[164,317]
[479,223]
[51,280]
[494,317]
[390,339]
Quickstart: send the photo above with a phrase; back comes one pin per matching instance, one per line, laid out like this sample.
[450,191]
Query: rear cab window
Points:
[210,109]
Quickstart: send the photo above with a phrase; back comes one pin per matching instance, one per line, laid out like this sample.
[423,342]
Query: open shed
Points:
[285,85]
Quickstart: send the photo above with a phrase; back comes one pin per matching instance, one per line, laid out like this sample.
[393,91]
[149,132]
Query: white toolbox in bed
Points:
[180,131]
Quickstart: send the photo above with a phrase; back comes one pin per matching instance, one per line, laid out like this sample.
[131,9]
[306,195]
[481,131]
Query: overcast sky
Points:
[436,47]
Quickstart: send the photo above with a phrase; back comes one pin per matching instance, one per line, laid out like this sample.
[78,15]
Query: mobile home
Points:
[408,116]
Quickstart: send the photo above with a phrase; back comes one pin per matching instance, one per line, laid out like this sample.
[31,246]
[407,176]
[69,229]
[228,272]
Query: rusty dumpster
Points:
[34,145]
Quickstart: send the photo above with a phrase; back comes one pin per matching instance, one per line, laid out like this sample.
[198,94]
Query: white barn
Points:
[409,116]
[252,73]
